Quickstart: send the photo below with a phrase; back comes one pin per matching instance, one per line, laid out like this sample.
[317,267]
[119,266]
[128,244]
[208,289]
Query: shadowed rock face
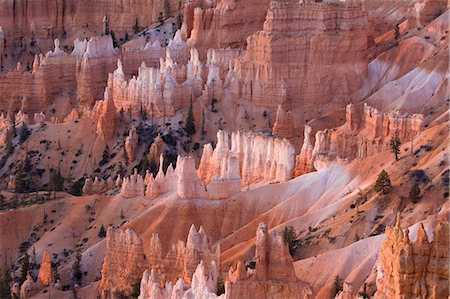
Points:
[416,269]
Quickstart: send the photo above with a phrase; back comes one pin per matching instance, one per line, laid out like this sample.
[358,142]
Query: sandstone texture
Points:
[414,269]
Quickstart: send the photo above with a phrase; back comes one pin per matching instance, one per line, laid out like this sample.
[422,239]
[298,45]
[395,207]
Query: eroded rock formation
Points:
[260,158]
[274,276]
[414,269]
[124,263]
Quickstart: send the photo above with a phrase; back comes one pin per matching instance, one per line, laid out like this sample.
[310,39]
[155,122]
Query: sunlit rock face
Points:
[414,269]
[124,263]
[302,55]
[261,159]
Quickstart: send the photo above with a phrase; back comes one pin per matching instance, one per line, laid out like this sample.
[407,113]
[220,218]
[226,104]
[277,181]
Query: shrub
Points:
[220,285]
[383,183]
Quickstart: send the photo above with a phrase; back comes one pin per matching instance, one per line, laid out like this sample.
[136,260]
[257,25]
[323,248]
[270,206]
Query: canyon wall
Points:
[44,19]
[414,269]
[302,56]
[366,132]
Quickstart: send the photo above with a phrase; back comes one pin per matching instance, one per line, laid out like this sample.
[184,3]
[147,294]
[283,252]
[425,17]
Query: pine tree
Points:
[337,286]
[24,133]
[383,183]
[395,144]
[56,182]
[102,232]
[396,32]
[25,268]
[190,122]
[76,269]
[289,238]
[20,179]
[414,193]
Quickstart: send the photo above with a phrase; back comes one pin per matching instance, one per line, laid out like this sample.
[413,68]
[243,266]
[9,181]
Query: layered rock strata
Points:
[366,132]
[301,57]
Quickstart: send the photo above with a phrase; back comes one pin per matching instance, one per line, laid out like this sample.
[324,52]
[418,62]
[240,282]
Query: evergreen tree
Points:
[220,285]
[23,133]
[24,268]
[383,183]
[20,179]
[102,232]
[190,122]
[395,144]
[289,238]
[56,182]
[396,32]
[76,269]
[338,286]
[414,193]
[136,28]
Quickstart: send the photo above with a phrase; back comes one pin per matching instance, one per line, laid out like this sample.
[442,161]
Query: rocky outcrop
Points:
[98,186]
[123,264]
[133,186]
[131,143]
[27,287]
[106,123]
[366,132]
[274,275]
[304,160]
[347,292]
[93,66]
[261,158]
[203,285]
[414,269]
[284,123]
[45,271]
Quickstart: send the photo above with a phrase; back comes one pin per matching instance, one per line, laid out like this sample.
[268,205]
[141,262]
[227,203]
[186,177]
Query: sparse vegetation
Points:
[190,122]
[76,269]
[25,267]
